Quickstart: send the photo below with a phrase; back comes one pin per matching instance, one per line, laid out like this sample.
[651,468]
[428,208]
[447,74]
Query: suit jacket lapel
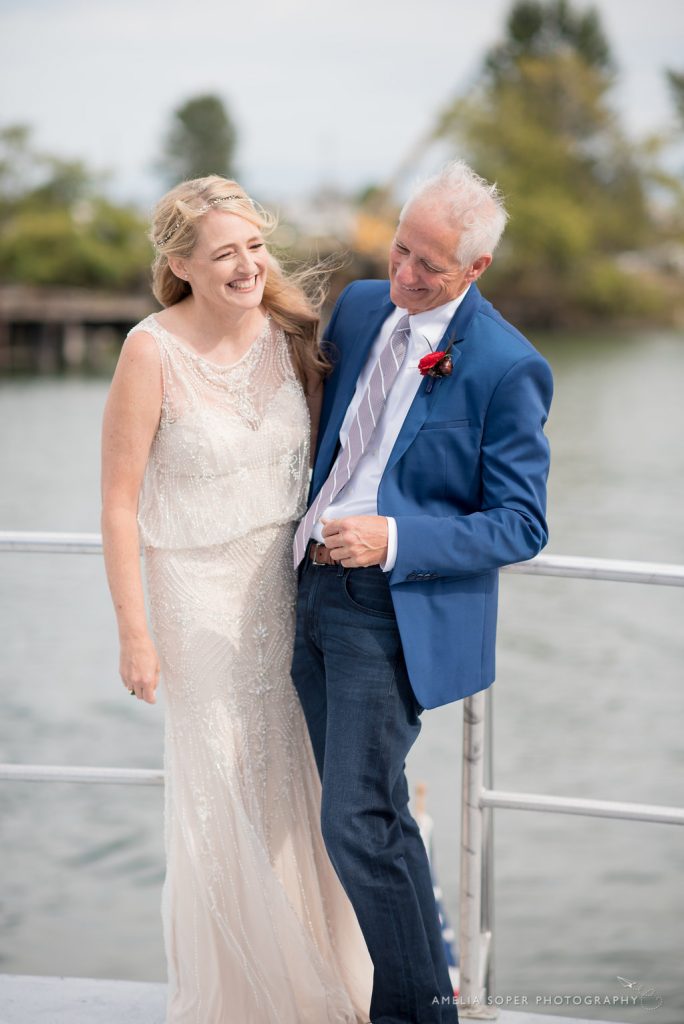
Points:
[420,406]
[355,356]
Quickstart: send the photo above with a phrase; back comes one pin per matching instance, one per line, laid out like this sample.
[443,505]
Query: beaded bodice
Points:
[232,447]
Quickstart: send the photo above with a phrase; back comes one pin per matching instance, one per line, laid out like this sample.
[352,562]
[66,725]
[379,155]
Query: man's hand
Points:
[356,541]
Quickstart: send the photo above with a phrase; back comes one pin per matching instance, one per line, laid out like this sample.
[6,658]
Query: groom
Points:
[430,474]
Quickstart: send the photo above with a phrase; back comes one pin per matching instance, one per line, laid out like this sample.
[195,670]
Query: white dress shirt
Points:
[359,496]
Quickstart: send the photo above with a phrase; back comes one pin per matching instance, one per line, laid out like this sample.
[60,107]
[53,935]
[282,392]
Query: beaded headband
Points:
[203,209]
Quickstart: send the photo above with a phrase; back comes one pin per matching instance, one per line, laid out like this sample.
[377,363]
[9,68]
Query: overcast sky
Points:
[320,92]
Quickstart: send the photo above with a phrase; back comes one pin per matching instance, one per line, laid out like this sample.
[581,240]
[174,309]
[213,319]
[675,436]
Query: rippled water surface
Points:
[589,701]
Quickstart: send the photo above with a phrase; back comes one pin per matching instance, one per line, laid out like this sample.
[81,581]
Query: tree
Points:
[539,122]
[17,161]
[674,181]
[58,228]
[201,140]
[675,80]
[536,29]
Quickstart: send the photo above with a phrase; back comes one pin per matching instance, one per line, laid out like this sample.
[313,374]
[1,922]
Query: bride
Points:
[206,445]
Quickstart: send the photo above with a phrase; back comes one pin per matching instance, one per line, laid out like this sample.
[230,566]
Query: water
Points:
[589,701]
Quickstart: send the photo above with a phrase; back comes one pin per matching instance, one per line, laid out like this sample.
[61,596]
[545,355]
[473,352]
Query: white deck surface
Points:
[29,1000]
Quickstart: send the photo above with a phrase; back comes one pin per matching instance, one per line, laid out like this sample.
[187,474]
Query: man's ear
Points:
[478,268]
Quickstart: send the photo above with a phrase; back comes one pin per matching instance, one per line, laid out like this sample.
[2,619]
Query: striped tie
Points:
[360,432]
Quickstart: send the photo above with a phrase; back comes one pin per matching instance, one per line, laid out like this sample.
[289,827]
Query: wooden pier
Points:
[47,330]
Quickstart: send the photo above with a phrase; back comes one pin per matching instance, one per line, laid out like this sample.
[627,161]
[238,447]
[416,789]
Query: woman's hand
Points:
[139,668]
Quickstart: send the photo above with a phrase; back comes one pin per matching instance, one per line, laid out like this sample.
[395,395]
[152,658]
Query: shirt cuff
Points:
[392,543]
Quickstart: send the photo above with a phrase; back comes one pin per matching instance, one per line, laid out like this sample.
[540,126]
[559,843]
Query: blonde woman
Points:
[206,447]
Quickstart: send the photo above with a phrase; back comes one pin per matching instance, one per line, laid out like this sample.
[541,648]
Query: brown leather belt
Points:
[319,554]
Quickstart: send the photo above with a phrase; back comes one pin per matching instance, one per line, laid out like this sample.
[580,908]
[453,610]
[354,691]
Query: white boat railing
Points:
[543,565]
[476,896]
[478,797]
[23,541]
[77,773]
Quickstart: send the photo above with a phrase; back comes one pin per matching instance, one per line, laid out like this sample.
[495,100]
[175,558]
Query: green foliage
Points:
[200,141]
[16,161]
[675,80]
[536,29]
[105,249]
[56,227]
[539,122]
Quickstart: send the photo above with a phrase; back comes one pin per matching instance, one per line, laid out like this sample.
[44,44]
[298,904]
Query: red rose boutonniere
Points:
[437,364]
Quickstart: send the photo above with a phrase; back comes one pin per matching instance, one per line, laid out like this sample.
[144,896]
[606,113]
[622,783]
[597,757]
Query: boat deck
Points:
[31,1000]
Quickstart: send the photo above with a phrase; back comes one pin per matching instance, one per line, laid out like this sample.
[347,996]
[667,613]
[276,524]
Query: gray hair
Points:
[474,205]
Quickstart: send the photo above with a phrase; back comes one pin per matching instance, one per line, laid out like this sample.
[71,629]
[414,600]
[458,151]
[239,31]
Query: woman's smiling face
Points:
[229,263]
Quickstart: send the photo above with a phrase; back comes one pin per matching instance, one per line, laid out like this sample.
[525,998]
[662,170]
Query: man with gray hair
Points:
[430,474]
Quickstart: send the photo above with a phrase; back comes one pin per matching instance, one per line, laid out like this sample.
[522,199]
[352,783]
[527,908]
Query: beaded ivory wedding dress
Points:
[257,927]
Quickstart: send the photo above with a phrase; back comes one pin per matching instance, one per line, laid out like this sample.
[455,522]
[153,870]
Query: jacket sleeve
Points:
[510,526]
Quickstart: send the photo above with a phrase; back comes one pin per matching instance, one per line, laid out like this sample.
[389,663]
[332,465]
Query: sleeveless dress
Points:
[257,928]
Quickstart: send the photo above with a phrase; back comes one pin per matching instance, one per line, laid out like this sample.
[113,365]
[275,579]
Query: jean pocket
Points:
[367,590]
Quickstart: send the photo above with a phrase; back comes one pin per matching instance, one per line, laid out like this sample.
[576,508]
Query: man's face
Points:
[423,269]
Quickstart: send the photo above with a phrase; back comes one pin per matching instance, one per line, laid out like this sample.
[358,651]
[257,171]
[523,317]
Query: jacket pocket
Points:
[445,424]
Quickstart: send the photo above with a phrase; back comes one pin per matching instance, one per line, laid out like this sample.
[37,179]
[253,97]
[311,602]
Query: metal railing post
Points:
[487,922]
[472,942]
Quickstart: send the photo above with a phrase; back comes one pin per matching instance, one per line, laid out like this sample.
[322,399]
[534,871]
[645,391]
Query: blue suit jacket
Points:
[466,482]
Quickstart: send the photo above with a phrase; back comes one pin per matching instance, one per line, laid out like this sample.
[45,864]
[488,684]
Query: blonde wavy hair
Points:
[293,299]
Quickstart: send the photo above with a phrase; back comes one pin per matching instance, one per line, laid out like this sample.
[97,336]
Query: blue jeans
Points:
[363,719]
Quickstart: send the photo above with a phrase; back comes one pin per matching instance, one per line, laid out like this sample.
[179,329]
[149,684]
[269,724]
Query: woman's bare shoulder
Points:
[141,348]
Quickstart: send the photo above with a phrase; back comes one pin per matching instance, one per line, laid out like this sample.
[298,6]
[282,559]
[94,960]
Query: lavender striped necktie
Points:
[361,430]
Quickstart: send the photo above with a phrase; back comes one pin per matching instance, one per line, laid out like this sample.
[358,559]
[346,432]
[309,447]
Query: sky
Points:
[321,93]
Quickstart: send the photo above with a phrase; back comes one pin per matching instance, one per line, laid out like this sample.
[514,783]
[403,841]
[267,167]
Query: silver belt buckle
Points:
[314,560]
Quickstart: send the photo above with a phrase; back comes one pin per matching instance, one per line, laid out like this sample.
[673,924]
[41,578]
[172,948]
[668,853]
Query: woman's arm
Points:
[130,422]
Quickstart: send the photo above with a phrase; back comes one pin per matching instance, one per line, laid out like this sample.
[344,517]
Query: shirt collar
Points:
[431,325]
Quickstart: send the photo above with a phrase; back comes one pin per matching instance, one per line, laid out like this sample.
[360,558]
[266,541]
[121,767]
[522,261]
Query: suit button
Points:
[412,576]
